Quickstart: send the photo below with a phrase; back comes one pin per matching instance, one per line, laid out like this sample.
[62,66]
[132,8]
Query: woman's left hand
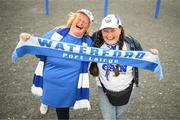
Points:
[154,51]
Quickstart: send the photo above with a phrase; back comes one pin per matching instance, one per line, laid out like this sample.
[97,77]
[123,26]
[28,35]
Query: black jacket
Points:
[134,46]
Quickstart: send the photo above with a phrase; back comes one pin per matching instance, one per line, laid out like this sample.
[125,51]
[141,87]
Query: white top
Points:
[115,83]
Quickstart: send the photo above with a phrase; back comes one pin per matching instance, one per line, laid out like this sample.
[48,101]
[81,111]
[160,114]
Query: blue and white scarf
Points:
[46,47]
[82,100]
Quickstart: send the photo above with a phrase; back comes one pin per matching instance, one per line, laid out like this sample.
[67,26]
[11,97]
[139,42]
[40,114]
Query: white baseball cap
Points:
[110,21]
[88,13]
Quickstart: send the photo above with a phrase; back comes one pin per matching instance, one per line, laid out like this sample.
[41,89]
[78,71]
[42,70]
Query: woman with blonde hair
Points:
[60,76]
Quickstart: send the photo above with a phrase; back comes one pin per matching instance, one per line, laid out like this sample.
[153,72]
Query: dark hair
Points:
[98,42]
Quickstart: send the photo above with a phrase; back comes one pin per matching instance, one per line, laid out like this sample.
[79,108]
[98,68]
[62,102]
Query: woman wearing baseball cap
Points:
[60,76]
[114,77]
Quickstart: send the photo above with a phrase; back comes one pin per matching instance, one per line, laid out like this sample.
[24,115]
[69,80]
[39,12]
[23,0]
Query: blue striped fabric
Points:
[46,47]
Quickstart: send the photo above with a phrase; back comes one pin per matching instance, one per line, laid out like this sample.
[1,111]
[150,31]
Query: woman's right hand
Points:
[24,36]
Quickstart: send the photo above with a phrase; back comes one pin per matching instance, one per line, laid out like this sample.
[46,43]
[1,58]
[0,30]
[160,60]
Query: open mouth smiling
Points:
[79,27]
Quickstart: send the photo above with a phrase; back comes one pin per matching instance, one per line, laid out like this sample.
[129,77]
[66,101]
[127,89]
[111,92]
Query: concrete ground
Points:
[155,100]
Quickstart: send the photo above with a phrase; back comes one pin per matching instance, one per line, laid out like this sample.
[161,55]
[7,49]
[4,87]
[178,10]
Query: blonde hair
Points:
[71,18]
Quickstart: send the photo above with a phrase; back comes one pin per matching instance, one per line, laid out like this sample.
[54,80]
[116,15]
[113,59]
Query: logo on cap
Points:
[108,19]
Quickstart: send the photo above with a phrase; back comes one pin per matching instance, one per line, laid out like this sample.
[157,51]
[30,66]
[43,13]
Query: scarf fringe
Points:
[80,104]
[36,90]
